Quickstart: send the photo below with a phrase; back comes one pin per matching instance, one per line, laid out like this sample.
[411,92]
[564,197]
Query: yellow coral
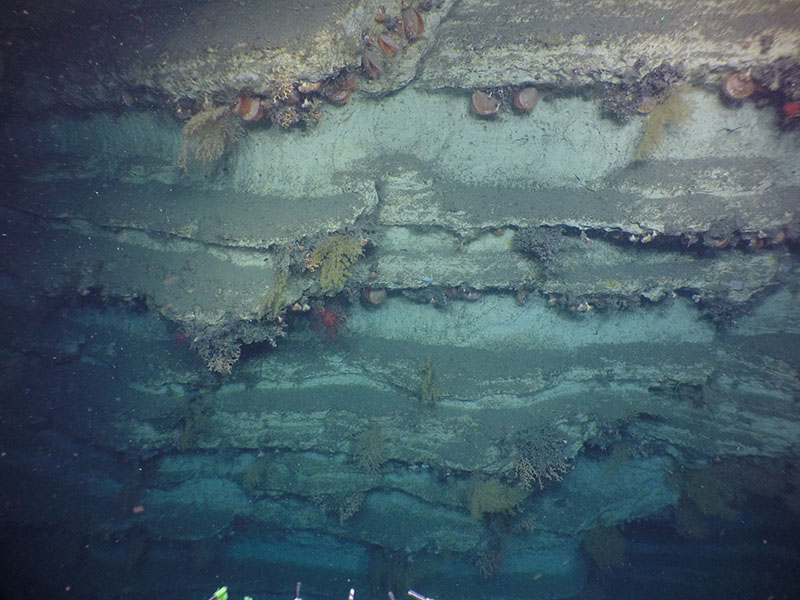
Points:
[273,301]
[209,134]
[674,109]
[334,256]
[286,116]
[428,388]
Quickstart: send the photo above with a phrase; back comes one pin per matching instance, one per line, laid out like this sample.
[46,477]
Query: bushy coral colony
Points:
[333,256]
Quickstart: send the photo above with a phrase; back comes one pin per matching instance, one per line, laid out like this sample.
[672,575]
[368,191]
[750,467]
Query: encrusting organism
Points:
[540,243]
[637,95]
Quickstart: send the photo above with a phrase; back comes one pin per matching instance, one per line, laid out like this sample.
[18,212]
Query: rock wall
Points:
[548,331]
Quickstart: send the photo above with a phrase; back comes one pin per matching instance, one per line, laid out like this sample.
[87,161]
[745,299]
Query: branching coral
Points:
[258,475]
[428,387]
[344,506]
[209,134]
[273,301]
[370,449]
[333,256]
[220,357]
[540,458]
[221,346]
[195,420]
[491,496]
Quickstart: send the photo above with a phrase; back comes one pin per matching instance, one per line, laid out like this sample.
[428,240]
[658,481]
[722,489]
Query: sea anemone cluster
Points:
[782,90]
[487,104]
[779,83]
[292,102]
[253,108]
[396,33]
[722,235]
[287,103]
[781,76]
[748,240]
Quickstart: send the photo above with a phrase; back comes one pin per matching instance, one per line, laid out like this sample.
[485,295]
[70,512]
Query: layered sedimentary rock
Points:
[587,309]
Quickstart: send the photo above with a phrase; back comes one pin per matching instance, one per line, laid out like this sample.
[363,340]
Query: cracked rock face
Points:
[587,329]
